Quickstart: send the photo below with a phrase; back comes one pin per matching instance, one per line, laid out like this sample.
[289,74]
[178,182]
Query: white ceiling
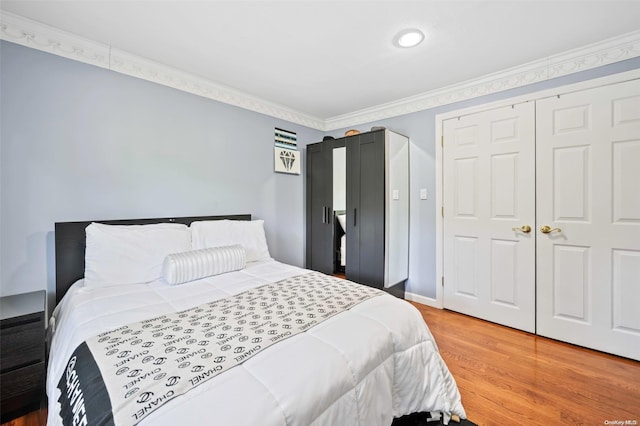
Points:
[326,59]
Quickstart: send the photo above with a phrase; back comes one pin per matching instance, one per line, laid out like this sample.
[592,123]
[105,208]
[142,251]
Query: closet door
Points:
[366,208]
[319,256]
[489,208]
[588,194]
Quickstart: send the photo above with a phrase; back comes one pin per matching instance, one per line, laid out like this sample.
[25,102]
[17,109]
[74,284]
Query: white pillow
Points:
[192,265]
[130,254]
[219,233]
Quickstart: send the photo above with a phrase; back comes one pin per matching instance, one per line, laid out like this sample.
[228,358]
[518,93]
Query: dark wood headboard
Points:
[70,244]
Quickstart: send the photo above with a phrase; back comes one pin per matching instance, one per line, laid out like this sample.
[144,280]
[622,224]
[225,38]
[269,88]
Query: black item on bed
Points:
[338,232]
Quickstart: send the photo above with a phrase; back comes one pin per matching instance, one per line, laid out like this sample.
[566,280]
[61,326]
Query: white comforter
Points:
[361,367]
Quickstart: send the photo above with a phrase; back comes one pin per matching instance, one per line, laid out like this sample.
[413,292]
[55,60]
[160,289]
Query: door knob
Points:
[547,229]
[524,228]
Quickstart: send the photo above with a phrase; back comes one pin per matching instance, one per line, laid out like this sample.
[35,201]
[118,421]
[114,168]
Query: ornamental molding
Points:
[136,66]
[28,33]
[25,32]
[605,52]
[36,35]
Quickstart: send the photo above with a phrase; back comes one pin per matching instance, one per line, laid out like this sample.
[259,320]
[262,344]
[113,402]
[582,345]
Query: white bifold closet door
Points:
[489,214]
[588,193]
[568,167]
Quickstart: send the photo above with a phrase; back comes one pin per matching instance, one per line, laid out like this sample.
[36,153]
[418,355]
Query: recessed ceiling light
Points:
[408,38]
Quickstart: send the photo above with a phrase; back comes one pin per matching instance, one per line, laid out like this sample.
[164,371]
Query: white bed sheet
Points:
[361,367]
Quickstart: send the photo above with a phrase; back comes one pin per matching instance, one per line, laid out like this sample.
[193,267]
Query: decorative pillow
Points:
[219,233]
[192,265]
[130,254]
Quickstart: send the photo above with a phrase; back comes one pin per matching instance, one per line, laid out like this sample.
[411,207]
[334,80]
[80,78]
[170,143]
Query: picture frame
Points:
[286,160]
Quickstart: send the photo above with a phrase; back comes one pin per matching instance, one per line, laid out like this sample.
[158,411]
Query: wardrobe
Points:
[357,208]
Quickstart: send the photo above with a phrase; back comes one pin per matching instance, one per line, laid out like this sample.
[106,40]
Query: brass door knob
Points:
[524,228]
[547,229]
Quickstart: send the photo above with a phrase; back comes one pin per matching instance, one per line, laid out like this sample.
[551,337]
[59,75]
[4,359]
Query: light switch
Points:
[395,194]
[423,193]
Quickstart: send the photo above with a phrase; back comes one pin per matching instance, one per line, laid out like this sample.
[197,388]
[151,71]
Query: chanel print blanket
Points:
[120,376]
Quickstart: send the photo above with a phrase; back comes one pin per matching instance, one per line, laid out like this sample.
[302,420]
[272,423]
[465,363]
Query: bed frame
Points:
[70,244]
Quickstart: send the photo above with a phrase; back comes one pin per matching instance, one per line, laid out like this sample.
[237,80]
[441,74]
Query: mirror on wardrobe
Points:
[340,208]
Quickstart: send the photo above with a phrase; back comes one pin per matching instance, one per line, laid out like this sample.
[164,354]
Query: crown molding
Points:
[43,37]
[36,35]
[25,32]
[605,52]
[136,66]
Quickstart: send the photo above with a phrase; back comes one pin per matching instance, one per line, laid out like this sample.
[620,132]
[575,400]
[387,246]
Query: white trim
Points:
[26,32]
[440,118]
[605,52]
[439,219]
[145,69]
[23,31]
[422,300]
[19,30]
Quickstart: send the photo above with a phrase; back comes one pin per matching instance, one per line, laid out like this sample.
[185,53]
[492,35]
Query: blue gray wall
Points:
[81,143]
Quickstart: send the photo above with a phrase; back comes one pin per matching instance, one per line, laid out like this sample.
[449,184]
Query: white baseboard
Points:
[424,300]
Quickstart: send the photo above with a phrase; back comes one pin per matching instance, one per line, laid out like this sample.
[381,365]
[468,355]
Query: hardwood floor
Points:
[509,377]
[35,418]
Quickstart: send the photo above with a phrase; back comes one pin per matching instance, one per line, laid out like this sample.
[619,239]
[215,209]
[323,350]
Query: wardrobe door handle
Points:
[324,214]
[355,213]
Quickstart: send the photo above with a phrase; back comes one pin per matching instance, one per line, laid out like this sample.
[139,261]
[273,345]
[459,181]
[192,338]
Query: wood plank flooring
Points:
[509,377]
[35,418]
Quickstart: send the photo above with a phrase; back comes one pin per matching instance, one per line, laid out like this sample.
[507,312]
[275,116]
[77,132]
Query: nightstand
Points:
[22,348]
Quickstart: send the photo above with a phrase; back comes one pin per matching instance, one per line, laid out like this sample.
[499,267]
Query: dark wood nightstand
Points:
[22,347]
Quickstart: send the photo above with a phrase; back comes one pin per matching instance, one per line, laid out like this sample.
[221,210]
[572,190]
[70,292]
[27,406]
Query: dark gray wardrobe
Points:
[376,179]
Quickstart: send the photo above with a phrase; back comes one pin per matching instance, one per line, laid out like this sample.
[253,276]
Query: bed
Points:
[366,364]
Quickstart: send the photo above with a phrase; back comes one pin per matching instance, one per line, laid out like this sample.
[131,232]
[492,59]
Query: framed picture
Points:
[285,138]
[286,160]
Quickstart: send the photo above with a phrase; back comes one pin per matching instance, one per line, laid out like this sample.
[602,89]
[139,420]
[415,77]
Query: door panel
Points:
[464,187]
[365,209]
[588,191]
[571,183]
[319,210]
[504,272]
[489,267]
[371,210]
[503,185]
[464,279]
[571,282]
[626,269]
[626,202]
[352,269]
